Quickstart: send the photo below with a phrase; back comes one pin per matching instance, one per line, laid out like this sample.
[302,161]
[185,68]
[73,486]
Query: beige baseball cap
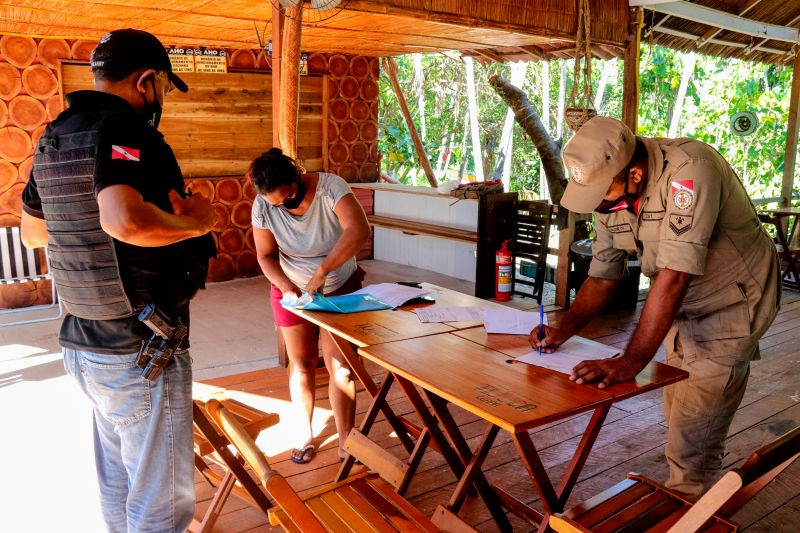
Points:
[598,152]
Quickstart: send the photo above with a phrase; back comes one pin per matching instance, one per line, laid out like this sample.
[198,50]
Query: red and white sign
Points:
[125,153]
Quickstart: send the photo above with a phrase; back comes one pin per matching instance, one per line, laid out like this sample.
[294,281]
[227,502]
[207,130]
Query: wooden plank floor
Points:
[632,438]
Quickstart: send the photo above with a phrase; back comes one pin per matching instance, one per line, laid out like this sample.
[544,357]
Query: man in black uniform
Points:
[107,197]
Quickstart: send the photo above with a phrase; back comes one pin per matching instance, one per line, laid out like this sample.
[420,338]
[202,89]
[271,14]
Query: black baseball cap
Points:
[123,51]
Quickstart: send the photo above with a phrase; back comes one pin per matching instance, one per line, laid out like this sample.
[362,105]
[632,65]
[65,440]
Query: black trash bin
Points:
[627,294]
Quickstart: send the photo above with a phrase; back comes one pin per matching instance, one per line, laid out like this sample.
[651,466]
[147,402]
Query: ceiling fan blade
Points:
[325,4]
[286,4]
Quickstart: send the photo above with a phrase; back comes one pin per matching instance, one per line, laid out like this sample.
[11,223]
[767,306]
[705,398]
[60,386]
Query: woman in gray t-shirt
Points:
[308,229]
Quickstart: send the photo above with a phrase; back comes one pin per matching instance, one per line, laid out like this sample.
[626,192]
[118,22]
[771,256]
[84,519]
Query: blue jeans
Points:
[143,442]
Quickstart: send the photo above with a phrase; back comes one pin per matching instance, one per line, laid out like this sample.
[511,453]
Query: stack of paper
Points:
[393,294]
[449,314]
[569,354]
[510,321]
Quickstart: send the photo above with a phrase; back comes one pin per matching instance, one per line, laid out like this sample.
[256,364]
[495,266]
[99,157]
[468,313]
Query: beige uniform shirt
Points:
[696,217]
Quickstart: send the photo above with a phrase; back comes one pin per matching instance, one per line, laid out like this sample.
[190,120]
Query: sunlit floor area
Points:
[47,437]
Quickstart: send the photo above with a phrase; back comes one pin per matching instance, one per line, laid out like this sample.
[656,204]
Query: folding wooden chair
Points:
[639,504]
[530,247]
[790,273]
[20,265]
[363,502]
[224,470]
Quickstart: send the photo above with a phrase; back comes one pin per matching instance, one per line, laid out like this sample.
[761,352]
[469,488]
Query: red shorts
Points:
[285,318]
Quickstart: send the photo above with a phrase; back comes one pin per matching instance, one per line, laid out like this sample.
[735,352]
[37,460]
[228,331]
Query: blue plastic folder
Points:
[348,303]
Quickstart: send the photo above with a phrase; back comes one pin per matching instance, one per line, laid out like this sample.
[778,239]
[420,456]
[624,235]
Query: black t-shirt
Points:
[130,152]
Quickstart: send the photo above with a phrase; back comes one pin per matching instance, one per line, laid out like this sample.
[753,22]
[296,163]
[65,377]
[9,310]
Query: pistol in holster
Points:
[157,351]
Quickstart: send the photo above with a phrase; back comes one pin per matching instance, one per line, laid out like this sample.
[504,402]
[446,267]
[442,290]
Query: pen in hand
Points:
[541,327]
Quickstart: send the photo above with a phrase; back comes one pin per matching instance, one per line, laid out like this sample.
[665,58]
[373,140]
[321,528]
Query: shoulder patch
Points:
[683,193]
[125,153]
[620,228]
[680,224]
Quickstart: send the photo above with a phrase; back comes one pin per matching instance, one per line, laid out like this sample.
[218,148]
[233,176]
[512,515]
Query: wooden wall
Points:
[216,130]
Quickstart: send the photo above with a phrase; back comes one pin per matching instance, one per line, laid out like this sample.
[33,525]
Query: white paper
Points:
[449,314]
[569,354]
[510,321]
[392,293]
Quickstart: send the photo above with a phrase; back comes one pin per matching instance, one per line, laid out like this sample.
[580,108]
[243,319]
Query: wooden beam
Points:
[733,44]
[713,32]
[390,66]
[721,19]
[565,237]
[761,43]
[290,79]
[277,24]
[789,161]
[488,54]
[630,77]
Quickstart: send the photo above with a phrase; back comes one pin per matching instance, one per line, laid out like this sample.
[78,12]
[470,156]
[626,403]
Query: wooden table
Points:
[779,218]
[483,379]
[373,328]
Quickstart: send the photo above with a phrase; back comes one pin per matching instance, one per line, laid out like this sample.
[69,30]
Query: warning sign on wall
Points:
[182,59]
[210,61]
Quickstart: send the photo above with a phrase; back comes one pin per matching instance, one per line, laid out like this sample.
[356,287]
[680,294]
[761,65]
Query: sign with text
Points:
[210,60]
[182,59]
[303,70]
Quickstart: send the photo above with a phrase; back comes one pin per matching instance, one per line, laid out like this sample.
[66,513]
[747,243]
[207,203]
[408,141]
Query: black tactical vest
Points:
[83,260]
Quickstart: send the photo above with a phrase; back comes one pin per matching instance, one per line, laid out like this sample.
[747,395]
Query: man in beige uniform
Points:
[680,207]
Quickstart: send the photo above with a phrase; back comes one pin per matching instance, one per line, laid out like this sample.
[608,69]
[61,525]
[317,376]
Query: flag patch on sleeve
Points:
[683,193]
[124,152]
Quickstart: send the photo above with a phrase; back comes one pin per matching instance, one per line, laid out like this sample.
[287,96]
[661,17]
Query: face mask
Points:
[295,201]
[151,111]
[624,201]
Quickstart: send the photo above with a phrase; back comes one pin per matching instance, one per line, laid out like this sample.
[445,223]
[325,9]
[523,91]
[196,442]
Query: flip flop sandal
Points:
[299,454]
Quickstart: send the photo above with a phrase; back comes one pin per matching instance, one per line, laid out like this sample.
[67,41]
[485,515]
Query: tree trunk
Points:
[419,88]
[608,67]
[562,97]
[503,162]
[477,157]
[527,118]
[546,121]
[688,69]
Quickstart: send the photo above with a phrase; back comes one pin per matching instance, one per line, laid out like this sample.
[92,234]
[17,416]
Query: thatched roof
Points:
[691,35]
[366,27]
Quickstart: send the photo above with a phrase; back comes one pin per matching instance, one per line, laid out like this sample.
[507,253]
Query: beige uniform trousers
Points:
[699,411]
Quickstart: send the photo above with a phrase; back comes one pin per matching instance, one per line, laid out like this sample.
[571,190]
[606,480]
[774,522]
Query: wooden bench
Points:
[640,504]
[420,228]
[363,502]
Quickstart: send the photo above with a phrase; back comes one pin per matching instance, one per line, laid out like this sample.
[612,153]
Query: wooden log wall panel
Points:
[225,120]
[366,197]
[216,129]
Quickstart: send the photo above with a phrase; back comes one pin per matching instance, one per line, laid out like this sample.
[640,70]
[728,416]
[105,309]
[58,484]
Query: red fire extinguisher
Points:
[503,281]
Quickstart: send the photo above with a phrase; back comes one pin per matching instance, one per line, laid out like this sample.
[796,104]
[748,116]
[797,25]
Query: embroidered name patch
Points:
[125,153]
[653,215]
[680,224]
[683,193]
[620,228]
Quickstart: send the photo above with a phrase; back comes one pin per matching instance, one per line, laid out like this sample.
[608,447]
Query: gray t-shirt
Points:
[305,241]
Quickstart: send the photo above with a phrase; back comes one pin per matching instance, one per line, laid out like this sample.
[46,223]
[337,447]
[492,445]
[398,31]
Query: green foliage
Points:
[718,89]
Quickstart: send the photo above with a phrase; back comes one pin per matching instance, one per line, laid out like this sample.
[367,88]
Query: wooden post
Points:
[290,79]
[791,137]
[277,31]
[630,81]
[565,237]
[390,66]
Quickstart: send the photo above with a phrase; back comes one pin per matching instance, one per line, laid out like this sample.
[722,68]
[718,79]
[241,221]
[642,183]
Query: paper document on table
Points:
[510,321]
[449,314]
[393,294]
[569,354]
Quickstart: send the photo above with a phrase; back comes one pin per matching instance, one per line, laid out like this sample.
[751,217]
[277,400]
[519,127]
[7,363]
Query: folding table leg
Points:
[581,454]
[400,427]
[490,498]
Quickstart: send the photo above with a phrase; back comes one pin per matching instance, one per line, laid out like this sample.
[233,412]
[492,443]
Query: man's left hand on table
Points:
[606,371]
